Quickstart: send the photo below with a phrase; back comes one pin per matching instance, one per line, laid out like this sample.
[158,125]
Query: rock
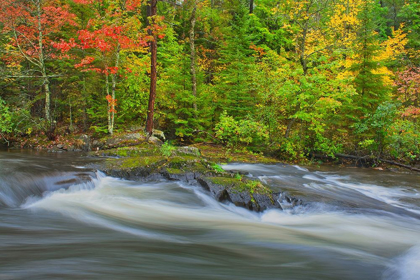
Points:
[159,134]
[189,177]
[86,143]
[122,138]
[256,202]
[154,140]
[60,146]
[136,128]
[288,202]
[188,151]
[148,163]
[96,144]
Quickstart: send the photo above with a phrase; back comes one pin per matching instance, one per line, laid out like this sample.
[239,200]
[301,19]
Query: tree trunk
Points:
[47,96]
[110,130]
[71,117]
[289,127]
[303,59]
[114,85]
[251,6]
[84,106]
[46,81]
[153,74]
[192,55]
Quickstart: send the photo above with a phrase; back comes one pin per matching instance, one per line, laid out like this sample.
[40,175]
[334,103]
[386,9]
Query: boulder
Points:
[155,141]
[86,146]
[188,151]
[243,198]
[115,141]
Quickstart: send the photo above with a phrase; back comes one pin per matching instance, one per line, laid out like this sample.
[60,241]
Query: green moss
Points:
[174,171]
[135,162]
[241,185]
[182,161]
[143,149]
[257,187]
[218,153]
[227,182]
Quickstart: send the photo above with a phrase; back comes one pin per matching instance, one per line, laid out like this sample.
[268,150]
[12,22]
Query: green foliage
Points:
[404,140]
[254,186]
[247,132]
[5,118]
[167,149]
[292,78]
[376,126]
[410,16]
[233,81]
[174,87]
[238,176]
[217,168]
[368,82]
[101,130]
[134,94]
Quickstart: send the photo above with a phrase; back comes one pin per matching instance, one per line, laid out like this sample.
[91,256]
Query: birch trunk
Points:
[192,56]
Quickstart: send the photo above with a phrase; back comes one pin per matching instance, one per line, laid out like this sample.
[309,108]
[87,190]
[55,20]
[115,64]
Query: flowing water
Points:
[60,220]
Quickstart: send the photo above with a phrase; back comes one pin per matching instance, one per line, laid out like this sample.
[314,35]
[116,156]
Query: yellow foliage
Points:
[393,46]
[344,22]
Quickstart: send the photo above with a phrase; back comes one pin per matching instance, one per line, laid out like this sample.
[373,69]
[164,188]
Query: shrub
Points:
[167,149]
[248,132]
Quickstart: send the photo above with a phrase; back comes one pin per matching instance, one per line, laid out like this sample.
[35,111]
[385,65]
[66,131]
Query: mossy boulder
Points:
[149,162]
[250,194]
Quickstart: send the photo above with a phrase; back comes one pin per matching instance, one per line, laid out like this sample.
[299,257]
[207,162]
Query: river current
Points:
[61,220]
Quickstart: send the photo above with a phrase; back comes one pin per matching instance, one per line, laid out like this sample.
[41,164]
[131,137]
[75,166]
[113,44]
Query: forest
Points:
[289,78]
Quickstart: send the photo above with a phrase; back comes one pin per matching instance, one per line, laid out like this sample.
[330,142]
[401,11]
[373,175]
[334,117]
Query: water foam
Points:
[390,196]
[405,267]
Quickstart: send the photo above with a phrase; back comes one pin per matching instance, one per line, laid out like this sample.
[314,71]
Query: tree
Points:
[408,87]
[112,31]
[192,54]
[32,26]
[152,12]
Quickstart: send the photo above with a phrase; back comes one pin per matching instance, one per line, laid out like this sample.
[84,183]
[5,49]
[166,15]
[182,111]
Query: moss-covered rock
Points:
[149,162]
[250,194]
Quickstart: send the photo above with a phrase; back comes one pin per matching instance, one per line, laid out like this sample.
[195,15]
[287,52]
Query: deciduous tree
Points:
[32,26]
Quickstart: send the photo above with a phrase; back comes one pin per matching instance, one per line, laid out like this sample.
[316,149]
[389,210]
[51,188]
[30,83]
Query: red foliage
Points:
[112,103]
[21,19]
[408,87]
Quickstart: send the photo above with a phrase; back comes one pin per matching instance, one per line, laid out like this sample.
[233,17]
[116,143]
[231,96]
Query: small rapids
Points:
[101,227]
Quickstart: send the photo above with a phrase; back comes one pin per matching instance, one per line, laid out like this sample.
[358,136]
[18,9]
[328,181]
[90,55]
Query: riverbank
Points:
[136,157]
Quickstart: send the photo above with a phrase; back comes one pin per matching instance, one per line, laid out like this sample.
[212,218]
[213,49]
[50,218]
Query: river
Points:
[61,220]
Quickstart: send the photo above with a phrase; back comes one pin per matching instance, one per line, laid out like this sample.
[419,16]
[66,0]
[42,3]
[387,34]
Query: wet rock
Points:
[188,177]
[243,198]
[188,166]
[288,202]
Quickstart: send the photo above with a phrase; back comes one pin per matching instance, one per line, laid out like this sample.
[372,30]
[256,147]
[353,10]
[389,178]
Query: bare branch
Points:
[31,60]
